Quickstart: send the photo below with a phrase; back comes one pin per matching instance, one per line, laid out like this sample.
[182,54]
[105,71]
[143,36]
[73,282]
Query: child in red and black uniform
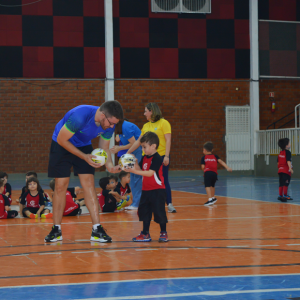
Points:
[71,208]
[7,186]
[32,202]
[124,189]
[153,196]
[209,164]
[285,169]
[5,212]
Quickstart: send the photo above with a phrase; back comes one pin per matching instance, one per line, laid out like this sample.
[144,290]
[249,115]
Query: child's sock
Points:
[146,227]
[209,199]
[285,190]
[163,227]
[281,191]
[96,226]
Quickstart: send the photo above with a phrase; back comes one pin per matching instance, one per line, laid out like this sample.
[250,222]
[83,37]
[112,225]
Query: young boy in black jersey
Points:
[209,164]
[123,188]
[285,169]
[6,187]
[153,196]
[5,211]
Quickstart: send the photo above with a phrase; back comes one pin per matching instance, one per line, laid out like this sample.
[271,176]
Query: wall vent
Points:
[181,6]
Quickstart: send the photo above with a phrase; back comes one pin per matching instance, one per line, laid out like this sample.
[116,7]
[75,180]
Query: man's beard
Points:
[102,124]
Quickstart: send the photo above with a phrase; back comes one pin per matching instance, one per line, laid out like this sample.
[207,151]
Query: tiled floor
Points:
[246,246]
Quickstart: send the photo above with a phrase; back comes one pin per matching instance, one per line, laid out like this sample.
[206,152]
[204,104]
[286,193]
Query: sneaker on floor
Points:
[209,202]
[163,237]
[121,204]
[55,235]
[214,199]
[99,235]
[282,199]
[171,208]
[130,207]
[47,216]
[287,197]
[142,238]
[33,216]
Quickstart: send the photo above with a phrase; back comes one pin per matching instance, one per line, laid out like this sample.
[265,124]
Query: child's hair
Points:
[1,182]
[3,174]
[123,174]
[282,143]
[52,184]
[33,179]
[114,177]
[31,173]
[103,182]
[150,138]
[209,146]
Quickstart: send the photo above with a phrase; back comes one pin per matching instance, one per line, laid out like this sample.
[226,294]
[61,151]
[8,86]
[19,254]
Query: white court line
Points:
[113,250]
[49,253]
[267,245]
[237,246]
[207,293]
[82,251]
[82,240]
[293,244]
[178,248]
[202,248]
[20,254]
[145,249]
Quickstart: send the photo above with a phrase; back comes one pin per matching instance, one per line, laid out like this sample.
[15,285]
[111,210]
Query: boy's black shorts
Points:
[210,179]
[153,202]
[61,161]
[284,179]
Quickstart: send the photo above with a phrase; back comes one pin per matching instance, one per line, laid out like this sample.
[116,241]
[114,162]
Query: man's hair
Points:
[282,143]
[209,146]
[52,184]
[123,174]
[150,138]
[31,173]
[33,179]
[156,112]
[3,174]
[103,182]
[1,182]
[112,109]
[114,177]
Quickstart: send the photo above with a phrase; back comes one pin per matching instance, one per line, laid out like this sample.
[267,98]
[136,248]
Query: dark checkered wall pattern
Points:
[65,39]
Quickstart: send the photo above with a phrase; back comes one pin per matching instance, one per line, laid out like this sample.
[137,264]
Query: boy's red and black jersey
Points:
[7,189]
[153,162]
[123,190]
[70,204]
[33,201]
[3,202]
[211,163]
[282,159]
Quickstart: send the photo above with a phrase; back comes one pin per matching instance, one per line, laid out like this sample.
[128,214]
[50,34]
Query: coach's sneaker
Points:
[47,216]
[171,208]
[163,237]
[287,197]
[55,235]
[209,202]
[99,235]
[121,204]
[142,238]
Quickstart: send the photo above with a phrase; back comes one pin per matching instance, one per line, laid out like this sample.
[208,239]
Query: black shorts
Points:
[284,179]
[61,161]
[33,210]
[110,204]
[153,202]
[210,179]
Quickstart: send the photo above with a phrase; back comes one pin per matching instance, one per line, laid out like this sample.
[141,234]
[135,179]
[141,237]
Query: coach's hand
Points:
[88,159]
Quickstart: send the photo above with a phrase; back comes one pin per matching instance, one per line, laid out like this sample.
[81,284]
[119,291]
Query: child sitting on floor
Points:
[123,187]
[6,187]
[5,212]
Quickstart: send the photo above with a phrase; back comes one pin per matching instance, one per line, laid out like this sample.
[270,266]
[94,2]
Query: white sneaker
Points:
[130,207]
[171,208]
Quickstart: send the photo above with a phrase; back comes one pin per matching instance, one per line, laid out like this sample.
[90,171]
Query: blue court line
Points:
[228,287]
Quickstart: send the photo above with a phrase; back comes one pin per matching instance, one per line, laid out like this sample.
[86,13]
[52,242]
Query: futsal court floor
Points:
[246,246]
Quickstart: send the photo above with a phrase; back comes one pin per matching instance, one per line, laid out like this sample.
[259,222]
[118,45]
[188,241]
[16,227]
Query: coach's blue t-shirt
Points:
[81,121]
[128,131]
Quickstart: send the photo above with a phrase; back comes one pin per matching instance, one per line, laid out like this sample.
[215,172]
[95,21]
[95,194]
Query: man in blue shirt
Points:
[71,147]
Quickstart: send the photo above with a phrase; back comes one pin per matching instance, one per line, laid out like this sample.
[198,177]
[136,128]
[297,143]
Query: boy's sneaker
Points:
[142,238]
[47,216]
[121,204]
[214,199]
[55,235]
[282,199]
[163,237]
[33,216]
[287,197]
[209,202]
[171,208]
[99,235]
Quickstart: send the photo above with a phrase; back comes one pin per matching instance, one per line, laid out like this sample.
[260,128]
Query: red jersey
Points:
[70,204]
[123,190]
[101,200]
[33,201]
[155,182]
[3,202]
[7,189]
[283,157]
[210,162]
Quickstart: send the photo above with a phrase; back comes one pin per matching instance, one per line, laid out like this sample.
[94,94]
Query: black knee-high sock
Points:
[163,227]
[146,227]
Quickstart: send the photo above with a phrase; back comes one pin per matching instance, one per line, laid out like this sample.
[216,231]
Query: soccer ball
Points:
[101,156]
[126,161]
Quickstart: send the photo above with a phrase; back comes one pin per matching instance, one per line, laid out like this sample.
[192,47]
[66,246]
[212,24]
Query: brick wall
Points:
[287,96]
[31,109]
